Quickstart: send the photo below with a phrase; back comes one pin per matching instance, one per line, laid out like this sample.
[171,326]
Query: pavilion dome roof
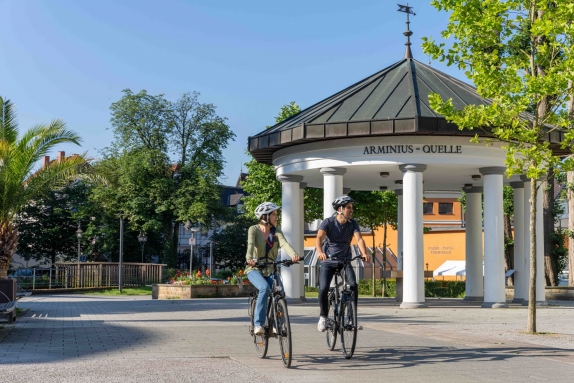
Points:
[393,101]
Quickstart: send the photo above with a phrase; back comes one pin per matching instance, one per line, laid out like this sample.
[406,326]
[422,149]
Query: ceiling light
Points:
[398,182]
[382,188]
[468,186]
[384,174]
[476,177]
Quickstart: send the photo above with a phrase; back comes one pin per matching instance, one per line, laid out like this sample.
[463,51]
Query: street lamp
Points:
[79,233]
[142,239]
[189,227]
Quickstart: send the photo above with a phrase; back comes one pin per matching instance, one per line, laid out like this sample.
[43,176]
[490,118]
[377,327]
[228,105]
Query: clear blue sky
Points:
[70,59]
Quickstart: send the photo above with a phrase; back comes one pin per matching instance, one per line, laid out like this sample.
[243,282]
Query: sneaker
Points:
[259,330]
[322,325]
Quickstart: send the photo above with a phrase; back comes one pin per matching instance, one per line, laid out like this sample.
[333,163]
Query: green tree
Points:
[374,210]
[165,163]
[262,185]
[47,226]
[21,180]
[518,53]
[230,244]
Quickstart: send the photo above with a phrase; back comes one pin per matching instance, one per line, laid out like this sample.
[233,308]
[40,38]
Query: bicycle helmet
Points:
[342,201]
[266,208]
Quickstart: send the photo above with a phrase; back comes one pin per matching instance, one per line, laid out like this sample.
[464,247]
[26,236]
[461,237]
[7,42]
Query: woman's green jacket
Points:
[256,249]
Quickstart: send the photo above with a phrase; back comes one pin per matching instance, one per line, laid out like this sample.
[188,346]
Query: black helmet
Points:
[342,201]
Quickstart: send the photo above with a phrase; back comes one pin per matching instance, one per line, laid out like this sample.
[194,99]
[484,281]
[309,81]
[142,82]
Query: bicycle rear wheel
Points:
[331,323]
[348,326]
[260,341]
[284,332]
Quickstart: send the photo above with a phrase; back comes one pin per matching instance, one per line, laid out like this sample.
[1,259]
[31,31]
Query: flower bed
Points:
[184,286]
[180,291]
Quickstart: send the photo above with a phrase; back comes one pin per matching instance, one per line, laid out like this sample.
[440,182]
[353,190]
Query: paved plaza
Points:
[73,338]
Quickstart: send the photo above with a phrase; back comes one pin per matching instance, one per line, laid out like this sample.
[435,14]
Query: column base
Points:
[473,299]
[518,300]
[494,305]
[413,305]
[538,303]
[295,301]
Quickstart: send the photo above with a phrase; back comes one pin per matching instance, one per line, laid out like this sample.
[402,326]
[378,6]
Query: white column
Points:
[332,188]
[292,227]
[494,289]
[301,249]
[474,258]
[413,247]
[399,193]
[519,275]
[540,278]
[526,240]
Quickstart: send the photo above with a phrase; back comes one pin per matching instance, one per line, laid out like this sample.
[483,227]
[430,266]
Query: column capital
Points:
[289,178]
[492,170]
[346,190]
[517,185]
[412,168]
[302,185]
[399,191]
[474,189]
[334,171]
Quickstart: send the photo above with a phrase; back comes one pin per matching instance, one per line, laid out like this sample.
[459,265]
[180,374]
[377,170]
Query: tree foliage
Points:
[262,185]
[374,210]
[164,164]
[230,244]
[518,53]
[21,179]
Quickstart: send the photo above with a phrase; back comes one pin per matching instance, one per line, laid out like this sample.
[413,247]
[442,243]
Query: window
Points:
[445,208]
[427,207]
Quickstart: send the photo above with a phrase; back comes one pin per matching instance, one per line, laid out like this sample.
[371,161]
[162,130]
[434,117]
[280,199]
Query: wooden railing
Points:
[90,275]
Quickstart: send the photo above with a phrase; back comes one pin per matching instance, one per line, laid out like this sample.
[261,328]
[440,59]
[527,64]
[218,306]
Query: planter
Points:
[200,291]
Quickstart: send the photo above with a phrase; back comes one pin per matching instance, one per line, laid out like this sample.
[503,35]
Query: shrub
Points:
[433,289]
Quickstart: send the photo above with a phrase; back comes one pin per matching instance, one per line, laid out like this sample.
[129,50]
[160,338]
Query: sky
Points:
[71,59]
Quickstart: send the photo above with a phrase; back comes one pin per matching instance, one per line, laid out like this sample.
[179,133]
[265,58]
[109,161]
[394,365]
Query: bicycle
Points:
[342,314]
[277,324]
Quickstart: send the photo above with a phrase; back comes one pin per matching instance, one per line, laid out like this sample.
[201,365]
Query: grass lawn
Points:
[142,290]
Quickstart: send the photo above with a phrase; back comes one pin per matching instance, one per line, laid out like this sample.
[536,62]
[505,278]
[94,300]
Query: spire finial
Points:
[408,33]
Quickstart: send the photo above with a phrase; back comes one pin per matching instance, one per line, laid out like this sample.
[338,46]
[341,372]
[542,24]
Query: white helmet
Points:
[266,208]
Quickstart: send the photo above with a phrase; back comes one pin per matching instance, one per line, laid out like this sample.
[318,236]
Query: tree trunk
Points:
[8,245]
[570,185]
[383,289]
[509,249]
[550,262]
[531,325]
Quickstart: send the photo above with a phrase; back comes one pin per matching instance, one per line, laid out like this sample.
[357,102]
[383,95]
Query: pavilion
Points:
[381,133]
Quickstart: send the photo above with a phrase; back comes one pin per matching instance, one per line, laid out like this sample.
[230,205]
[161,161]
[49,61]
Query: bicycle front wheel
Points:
[260,341]
[348,327]
[331,323]
[284,332]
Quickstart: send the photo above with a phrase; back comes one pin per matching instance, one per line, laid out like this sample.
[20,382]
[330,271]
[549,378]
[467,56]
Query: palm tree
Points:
[21,179]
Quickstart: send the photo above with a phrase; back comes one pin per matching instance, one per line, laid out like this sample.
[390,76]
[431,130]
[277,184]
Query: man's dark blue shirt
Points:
[339,236]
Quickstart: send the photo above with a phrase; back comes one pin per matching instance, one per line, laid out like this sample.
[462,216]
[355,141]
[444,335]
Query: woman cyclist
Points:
[263,242]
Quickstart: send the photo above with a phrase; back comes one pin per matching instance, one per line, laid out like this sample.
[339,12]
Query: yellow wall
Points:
[439,246]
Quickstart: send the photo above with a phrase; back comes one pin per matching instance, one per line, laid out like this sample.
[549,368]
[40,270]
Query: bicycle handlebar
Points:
[285,262]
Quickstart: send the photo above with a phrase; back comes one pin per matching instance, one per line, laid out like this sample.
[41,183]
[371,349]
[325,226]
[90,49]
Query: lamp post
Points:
[79,234]
[142,239]
[120,268]
[189,227]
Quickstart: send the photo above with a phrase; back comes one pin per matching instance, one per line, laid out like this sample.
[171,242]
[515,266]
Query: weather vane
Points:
[408,33]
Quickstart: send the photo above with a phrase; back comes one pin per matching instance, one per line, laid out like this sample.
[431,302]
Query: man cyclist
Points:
[263,242]
[340,230]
